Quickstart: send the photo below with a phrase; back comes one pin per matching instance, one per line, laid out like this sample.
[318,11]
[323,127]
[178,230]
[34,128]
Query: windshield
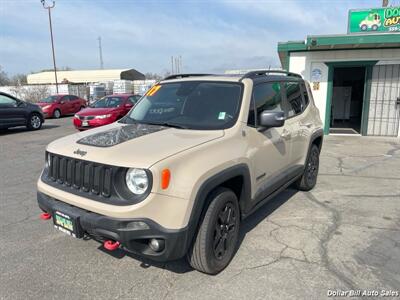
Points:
[189,104]
[49,99]
[107,102]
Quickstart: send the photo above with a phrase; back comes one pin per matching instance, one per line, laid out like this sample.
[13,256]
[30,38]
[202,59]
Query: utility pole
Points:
[100,53]
[48,7]
[177,65]
[385,3]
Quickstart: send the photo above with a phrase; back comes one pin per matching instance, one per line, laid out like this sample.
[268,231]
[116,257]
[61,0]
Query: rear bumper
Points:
[125,231]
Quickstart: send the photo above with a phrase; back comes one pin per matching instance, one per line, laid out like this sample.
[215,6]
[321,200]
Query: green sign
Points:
[374,20]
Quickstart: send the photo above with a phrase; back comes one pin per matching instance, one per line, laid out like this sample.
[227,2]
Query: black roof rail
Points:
[256,73]
[176,76]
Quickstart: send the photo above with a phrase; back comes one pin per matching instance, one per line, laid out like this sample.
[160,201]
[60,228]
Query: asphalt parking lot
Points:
[345,234]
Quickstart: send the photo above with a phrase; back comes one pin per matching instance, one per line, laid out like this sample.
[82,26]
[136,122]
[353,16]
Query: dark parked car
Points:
[15,112]
[59,105]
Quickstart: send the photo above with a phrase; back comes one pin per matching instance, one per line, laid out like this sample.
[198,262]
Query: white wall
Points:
[304,62]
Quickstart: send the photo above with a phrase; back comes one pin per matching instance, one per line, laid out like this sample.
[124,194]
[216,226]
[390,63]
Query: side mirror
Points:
[127,105]
[269,119]
[62,102]
[20,103]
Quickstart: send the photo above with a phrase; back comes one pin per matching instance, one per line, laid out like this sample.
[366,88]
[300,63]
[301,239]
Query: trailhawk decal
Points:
[119,135]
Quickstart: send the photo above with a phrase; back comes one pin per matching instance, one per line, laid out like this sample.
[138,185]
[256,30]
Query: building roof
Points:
[338,42]
[85,76]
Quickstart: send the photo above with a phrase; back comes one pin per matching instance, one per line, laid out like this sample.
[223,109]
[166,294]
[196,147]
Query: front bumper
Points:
[92,123]
[134,240]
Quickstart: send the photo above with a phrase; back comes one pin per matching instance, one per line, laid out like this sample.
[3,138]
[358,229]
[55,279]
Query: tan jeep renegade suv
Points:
[179,173]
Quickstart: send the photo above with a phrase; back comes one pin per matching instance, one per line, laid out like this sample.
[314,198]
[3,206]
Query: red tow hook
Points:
[111,245]
[45,216]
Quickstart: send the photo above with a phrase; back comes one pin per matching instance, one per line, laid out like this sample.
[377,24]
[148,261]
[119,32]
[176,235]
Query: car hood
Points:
[96,111]
[134,145]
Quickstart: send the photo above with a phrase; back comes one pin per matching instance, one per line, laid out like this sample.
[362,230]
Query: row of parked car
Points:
[15,112]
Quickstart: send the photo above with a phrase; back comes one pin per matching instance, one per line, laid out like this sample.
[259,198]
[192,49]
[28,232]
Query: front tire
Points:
[309,177]
[218,233]
[34,122]
[57,114]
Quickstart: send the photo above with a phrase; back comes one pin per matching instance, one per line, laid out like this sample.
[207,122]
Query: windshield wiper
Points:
[167,124]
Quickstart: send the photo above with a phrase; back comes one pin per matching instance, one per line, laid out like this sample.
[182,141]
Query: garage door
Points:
[384,105]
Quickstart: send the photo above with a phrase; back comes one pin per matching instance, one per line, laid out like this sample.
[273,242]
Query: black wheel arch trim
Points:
[315,135]
[201,201]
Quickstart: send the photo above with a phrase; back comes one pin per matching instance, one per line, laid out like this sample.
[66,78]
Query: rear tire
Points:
[309,178]
[56,114]
[218,233]
[34,122]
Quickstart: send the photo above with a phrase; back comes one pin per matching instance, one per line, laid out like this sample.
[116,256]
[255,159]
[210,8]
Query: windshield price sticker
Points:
[153,90]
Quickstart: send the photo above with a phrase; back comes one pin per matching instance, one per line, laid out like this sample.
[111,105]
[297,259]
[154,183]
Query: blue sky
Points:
[211,36]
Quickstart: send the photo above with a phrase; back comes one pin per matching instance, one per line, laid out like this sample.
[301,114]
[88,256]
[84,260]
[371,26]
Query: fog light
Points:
[157,245]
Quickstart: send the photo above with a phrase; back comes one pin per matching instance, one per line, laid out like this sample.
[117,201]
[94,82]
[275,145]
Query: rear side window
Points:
[72,98]
[266,96]
[294,98]
[133,99]
[306,100]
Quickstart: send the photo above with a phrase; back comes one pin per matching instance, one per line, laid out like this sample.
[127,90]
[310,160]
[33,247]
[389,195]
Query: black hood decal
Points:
[119,135]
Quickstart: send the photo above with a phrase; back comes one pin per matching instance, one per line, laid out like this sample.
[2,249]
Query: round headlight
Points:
[137,181]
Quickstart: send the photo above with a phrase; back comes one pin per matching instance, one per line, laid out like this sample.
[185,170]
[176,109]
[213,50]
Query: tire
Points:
[34,122]
[374,27]
[56,114]
[364,27]
[216,240]
[309,178]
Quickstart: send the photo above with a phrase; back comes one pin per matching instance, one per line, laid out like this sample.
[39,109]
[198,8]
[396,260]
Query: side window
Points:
[65,98]
[309,92]
[73,98]
[7,101]
[294,98]
[267,96]
[133,99]
[306,100]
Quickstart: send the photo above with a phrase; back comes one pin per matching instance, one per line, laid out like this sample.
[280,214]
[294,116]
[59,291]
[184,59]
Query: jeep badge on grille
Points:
[80,152]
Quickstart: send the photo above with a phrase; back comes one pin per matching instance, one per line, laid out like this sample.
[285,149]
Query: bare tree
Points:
[4,80]
[154,76]
[18,79]
[31,94]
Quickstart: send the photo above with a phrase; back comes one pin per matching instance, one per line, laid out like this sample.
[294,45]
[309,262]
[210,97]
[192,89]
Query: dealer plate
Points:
[66,223]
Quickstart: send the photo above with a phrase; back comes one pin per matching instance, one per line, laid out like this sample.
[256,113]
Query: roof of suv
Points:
[259,74]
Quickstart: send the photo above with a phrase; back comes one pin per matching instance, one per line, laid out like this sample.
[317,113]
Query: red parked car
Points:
[59,105]
[105,111]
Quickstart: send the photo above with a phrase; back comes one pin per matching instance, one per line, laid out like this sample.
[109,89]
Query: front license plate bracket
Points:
[68,223]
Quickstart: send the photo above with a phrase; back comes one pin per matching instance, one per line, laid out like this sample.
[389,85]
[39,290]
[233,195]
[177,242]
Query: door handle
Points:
[308,125]
[285,134]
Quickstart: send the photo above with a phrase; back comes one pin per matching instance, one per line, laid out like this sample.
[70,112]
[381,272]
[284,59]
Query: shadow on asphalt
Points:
[181,266]
[16,130]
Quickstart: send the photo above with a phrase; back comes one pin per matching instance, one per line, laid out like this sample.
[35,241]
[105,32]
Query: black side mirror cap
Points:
[269,119]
